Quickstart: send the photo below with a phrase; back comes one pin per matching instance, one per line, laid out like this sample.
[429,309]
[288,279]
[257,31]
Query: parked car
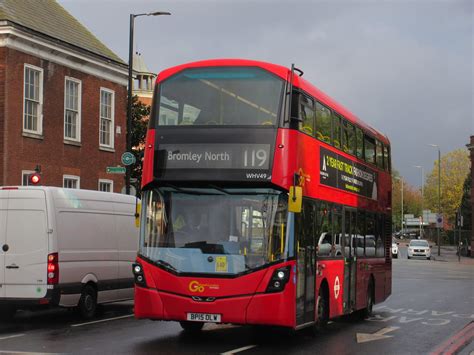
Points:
[65,247]
[419,248]
[394,248]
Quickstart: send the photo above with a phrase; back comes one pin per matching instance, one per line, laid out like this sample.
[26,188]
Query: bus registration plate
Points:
[204,317]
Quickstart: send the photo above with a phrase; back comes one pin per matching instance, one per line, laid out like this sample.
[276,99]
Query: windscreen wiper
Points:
[166,265]
[188,192]
[227,192]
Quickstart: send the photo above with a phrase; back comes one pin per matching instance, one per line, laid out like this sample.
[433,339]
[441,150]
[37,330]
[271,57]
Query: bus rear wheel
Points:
[368,310]
[191,327]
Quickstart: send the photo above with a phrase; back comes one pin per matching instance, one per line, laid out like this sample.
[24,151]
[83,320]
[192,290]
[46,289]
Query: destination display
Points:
[342,173]
[215,156]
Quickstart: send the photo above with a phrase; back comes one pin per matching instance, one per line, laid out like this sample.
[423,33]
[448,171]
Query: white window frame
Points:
[106,181]
[112,118]
[39,130]
[79,106]
[27,173]
[72,177]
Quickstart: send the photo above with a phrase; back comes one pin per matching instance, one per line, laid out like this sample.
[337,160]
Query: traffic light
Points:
[34,179]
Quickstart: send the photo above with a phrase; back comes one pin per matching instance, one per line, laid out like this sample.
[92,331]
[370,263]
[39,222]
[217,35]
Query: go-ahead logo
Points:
[196,286]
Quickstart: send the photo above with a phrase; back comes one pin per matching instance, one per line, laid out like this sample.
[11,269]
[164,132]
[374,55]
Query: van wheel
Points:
[191,327]
[7,312]
[88,302]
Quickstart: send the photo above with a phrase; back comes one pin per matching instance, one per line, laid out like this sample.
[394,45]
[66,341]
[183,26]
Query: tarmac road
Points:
[431,305]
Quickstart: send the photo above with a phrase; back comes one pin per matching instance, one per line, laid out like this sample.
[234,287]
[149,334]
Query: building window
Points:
[106,185]
[71,182]
[33,100]
[106,129]
[72,109]
[25,174]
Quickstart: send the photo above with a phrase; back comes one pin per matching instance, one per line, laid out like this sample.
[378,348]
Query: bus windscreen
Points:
[214,231]
[231,96]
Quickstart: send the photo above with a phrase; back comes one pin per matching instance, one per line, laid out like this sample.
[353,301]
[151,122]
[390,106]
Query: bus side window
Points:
[386,158]
[307,115]
[369,149]
[348,137]
[380,245]
[323,123]
[360,233]
[337,232]
[359,143]
[379,154]
[323,229]
[336,132]
[370,236]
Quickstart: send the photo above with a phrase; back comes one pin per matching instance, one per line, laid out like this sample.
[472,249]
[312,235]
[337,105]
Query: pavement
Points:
[448,254]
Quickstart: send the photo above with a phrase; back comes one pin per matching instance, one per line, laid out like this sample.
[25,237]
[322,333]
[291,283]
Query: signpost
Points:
[128,158]
[439,221]
[115,170]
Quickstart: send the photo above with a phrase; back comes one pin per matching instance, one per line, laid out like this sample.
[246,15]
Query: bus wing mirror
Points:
[138,208]
[295,199]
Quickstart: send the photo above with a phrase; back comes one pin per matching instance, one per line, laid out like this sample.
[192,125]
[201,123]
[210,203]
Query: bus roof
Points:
[284,73]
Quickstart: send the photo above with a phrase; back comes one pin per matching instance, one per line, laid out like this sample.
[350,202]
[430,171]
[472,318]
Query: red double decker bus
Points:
[264,201]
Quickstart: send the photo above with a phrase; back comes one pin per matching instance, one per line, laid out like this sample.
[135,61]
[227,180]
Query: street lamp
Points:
[422,195]
[129,98]
[439,192]
[401,188]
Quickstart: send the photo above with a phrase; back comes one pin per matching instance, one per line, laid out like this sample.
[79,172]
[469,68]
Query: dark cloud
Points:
[404,67]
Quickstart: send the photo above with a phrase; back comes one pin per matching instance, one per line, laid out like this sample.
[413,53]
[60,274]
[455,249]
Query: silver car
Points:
[419,248]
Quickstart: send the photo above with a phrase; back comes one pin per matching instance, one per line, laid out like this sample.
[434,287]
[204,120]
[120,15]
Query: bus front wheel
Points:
[191,327]
[323,311]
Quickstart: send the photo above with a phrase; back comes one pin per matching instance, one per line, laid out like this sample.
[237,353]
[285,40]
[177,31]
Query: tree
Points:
[411,199]
[466,207]
[454,168]
[140,117]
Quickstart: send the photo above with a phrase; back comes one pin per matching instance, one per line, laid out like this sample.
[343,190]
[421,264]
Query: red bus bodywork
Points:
[243,299]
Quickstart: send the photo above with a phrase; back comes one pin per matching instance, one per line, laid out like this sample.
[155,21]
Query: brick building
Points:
[62,99]
[470,146]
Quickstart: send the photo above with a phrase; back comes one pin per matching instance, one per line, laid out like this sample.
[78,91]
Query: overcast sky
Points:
[404,67]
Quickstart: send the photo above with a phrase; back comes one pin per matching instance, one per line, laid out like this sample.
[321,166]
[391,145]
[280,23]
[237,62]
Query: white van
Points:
[65,247]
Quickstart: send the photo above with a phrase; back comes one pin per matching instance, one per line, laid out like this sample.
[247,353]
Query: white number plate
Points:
[204,317]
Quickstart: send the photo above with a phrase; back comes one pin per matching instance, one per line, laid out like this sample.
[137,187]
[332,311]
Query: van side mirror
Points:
[295,199]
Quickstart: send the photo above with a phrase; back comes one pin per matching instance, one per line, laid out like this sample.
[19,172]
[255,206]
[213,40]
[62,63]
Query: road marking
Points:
[102,320]
[456,342]
[365,337]
[12,336]
[239,350]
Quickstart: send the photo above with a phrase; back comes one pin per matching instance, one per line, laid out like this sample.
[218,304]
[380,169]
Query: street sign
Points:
[439,221]
[115,170]
[128,158]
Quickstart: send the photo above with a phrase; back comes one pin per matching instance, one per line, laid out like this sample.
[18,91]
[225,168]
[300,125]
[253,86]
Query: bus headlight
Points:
[279,279]
[139,276]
